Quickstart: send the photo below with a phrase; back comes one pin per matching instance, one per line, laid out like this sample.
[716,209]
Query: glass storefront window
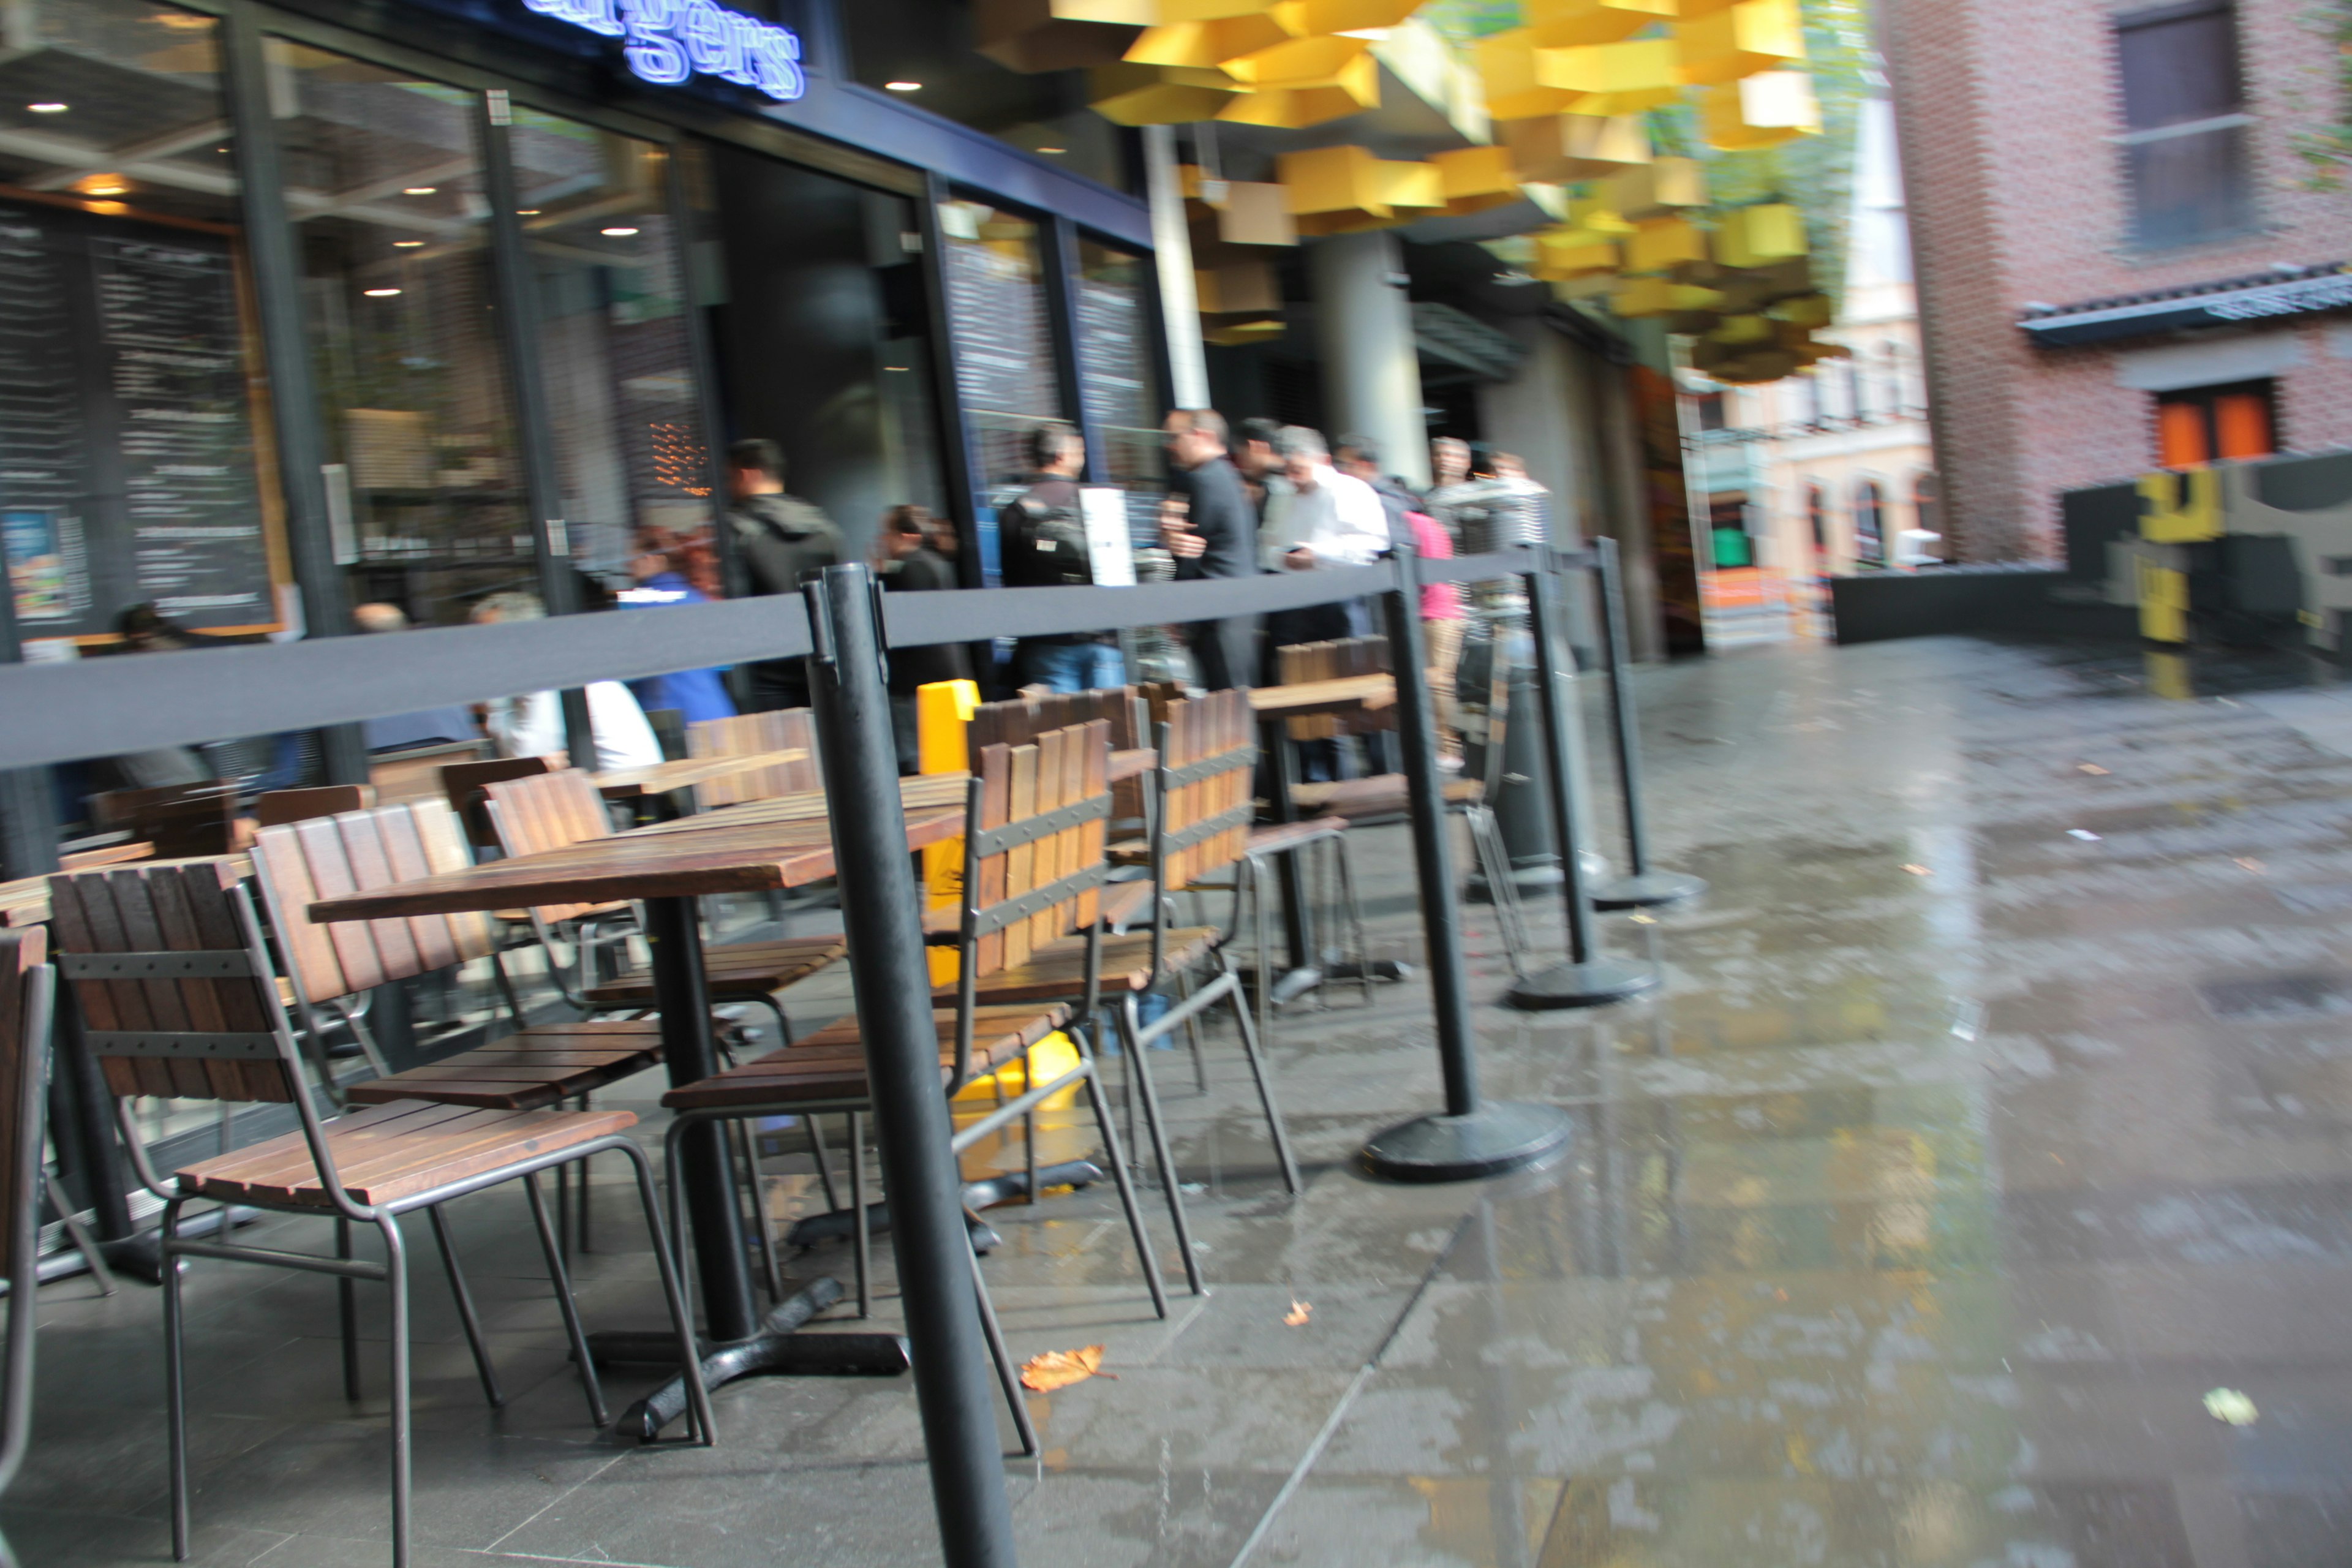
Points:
[630,449]
[134,429]
[997,316]
[425,482]
[1115,375]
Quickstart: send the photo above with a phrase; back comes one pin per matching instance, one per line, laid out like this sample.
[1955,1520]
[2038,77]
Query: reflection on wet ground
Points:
[1994,1111]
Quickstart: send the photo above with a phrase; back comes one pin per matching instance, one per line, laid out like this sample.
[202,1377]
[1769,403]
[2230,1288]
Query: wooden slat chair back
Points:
[1208,754]
[1019,720]
[1302,662]
[300,863]
[463,783]
[748,735]
[1037,818]
[541,812]
[180,820]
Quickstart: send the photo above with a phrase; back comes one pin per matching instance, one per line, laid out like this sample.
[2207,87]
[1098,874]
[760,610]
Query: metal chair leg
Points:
[861,1223]
[744,1139]
[1126,1200]
[700,1426]
[175,1381]
[396,1277]
[815,1129]
[1262,1070]
[465,1317]
[1028,1125]
[1130,1030]
[347,1312]
[78,1234]
[1344,858]
[561,1279]
[1003,1357]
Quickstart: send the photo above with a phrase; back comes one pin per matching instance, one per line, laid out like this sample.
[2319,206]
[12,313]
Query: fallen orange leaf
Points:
[1298,1313]
[1059,1369]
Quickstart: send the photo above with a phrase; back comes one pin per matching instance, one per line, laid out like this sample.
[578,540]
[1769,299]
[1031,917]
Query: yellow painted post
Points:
[943,709]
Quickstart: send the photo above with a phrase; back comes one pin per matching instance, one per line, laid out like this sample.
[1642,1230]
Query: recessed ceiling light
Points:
[421,191]
[526,211]
[102,185]
[47,108]
[1053,149]
[379,293]
[903,86]
[406,243]
[619,231]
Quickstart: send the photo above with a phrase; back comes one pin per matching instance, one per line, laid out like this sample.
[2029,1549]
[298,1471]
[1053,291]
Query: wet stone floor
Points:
[1994,1112]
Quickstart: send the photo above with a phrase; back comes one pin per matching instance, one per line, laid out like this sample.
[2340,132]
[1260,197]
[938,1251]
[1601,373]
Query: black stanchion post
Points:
[893,983]
[1644,889]
[1470,1138]
[1587,979]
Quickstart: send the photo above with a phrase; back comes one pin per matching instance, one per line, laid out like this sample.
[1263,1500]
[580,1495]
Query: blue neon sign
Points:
[672,40]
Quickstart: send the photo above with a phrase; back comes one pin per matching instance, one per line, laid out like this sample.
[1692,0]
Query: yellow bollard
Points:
[1054,1056]
[943,712]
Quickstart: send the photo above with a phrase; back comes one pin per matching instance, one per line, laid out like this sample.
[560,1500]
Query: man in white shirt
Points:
[532,725]
[1328,518]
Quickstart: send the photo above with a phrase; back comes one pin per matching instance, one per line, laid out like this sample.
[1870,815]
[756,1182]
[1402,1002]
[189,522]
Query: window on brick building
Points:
[1817,518]
[1712,415]
[2205,424]
[2184,140]
[1869,524]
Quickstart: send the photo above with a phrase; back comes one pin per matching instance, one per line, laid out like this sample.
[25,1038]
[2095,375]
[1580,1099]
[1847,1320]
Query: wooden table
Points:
[1347,694]
[663,778]
[668,870]
[918,791]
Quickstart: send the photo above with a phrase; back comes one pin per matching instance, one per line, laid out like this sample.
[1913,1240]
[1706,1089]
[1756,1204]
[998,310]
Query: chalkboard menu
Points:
[1112,342]
[996,314]
[127,462]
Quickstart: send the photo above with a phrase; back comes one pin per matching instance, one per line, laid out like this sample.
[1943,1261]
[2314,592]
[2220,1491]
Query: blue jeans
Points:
[1070,666]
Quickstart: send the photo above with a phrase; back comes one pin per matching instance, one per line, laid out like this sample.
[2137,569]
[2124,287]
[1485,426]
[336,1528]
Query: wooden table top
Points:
[1132,763]
[1347,694]
[728,857]
[631,784]
[919,792]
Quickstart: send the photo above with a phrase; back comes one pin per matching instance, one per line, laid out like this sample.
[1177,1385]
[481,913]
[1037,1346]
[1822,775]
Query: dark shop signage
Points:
[2247,304]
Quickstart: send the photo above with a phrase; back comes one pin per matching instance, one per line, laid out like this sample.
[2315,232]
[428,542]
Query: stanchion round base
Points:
[1647,891]
[1594,983]
[1488,1142]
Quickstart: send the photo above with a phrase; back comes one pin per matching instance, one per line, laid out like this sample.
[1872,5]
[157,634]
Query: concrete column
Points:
[1371,371]
[1171,249]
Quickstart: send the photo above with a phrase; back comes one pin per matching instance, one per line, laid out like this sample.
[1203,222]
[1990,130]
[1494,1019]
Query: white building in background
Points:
[1830,471]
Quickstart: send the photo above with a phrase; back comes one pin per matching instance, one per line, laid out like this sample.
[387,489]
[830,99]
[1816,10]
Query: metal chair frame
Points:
[277,1044]
[978,920]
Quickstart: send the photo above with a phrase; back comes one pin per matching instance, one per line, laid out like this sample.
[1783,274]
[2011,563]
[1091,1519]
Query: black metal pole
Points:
[881,912]
[294,404]
[518,296]
[29,802]
[1643,887]
[1587,979]
[1470,1138]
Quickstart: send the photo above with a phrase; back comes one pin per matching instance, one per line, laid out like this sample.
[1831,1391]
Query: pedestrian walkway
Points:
[1992,1116]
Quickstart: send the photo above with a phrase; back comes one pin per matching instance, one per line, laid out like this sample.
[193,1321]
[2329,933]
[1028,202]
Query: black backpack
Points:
[1044,547]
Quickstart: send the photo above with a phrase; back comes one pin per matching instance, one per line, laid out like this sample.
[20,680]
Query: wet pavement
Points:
[1994,1112]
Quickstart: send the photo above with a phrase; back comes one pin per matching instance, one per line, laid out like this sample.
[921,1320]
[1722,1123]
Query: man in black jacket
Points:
[1215,537]
[1042,538]
[780,538]
[910,565]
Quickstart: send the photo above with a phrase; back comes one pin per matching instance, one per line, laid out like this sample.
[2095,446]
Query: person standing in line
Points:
[1325,518]
[661,574]
[1216,536]
[910,565]
[782,539]
[1441,628]
[1451,487]
[532,725]
[1044,538]
[1360,456]
[431,726]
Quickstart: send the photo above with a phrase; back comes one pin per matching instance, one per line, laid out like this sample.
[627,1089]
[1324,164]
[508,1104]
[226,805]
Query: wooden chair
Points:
[173,979]
[551,811]
[462,785]
[1200,827]
[180,820]
[1019,720]
[1033,871]
[1381,798]
[27,987]
[748,735]
[331,965]
[415,773]
[276,807]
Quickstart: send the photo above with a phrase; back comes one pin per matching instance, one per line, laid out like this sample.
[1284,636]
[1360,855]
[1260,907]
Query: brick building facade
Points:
[2112,229]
